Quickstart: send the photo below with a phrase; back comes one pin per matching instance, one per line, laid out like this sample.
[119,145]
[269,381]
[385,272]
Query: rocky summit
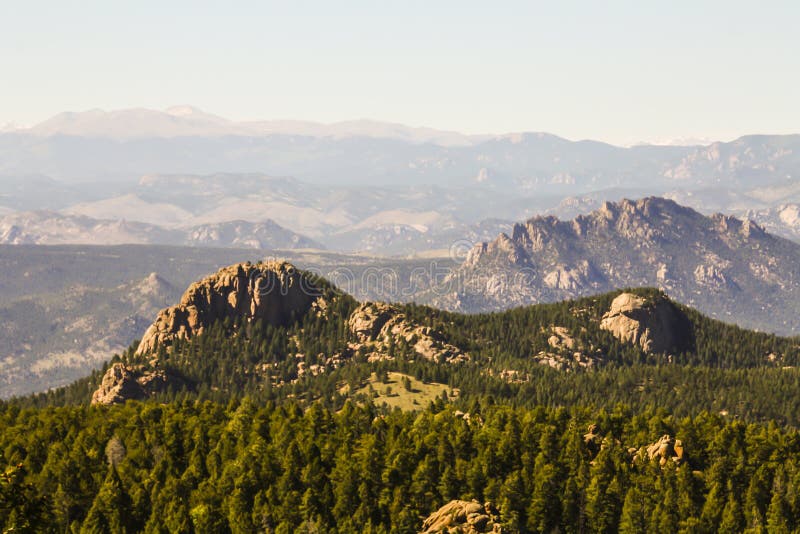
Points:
[273,292]
[726,267]
[463,517]
[656,325]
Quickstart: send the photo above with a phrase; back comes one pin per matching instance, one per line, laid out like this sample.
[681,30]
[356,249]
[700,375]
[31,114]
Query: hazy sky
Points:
[616,71]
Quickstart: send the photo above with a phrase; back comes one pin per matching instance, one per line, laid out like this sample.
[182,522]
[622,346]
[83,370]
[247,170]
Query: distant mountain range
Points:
[357,186]
[175,209]
[731,269]
[126,144]
[52,228]
[258,211]
[188,121]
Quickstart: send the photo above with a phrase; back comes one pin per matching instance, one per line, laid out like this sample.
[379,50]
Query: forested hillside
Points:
[243,410]
[250,467]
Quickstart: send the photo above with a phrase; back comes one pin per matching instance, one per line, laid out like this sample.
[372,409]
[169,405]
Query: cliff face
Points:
[122,382]
[274,292]
[728,268]
[656,326]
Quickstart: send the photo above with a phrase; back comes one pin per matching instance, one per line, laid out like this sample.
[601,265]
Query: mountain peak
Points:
[183,111]
[716,263]
[275,292]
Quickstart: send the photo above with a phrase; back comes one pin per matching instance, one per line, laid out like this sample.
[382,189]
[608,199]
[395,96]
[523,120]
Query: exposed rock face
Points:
[657,326]
[368,320]
[503,248]
[561,338]
[376,324]
[711,277]
[566,351]
[725,267]
[667,449]
[467,517]
[122,382]
[274,292]
[572,278]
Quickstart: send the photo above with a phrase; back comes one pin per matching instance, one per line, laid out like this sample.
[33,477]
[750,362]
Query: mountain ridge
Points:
[268,328]
[725,266]
[126,145]
[183,120]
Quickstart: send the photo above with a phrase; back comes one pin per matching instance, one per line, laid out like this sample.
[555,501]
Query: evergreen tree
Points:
[544,510]
[111,510]
[634,512]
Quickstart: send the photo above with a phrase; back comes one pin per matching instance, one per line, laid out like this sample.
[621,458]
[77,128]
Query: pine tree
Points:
[603,499]
[777,513]
[111,510]
[544,509]
[713,508]
[634,512]
[732,516]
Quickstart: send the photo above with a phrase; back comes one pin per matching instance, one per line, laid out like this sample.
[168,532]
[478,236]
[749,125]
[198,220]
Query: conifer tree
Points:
[111,510]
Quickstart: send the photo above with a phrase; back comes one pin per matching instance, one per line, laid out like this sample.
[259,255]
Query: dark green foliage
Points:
[200,467]
[22,507]
[724,368]
[244,443]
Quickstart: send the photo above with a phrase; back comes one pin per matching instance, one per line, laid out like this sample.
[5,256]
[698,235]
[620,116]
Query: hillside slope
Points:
[266,399]
[277,333]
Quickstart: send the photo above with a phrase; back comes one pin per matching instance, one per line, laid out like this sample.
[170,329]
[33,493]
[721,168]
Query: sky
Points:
[620,72]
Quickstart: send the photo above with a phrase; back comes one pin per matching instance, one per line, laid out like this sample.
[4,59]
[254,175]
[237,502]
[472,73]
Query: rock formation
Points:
[656,325]
[463,517]
[725,267]
[274,292]
[572,278]
[665,450]
[122,382]
[566,352]
[377,324]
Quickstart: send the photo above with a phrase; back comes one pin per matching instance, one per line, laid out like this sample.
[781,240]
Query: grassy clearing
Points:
[398,390]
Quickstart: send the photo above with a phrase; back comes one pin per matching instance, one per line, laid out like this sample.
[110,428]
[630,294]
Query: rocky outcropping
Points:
[712,277]
[503,247]
[667,449]
[655,324]
[566,351]
[467,517]
[274,292]
[377,325]
[664,451]
[122,382]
